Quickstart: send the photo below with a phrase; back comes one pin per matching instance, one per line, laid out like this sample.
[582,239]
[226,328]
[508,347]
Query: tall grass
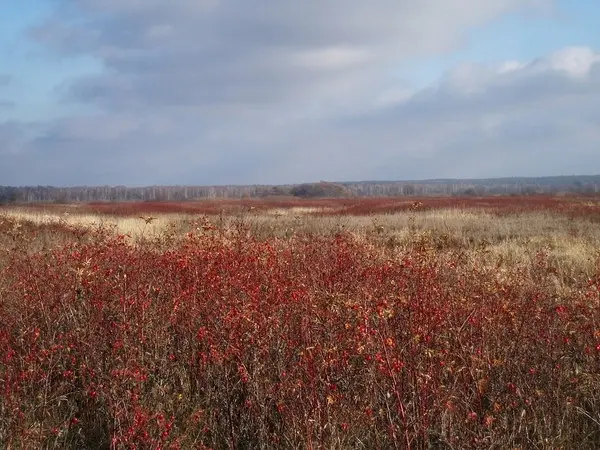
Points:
[423,329]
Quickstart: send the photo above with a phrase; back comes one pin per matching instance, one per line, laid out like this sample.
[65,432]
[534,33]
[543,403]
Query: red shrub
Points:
[309,341]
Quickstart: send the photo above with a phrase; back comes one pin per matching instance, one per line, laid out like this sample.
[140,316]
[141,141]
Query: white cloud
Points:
[575,61]
[510,66]
[278,51]
[224,91]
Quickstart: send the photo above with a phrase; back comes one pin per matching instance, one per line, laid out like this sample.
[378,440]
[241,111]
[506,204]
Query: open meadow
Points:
[425,323]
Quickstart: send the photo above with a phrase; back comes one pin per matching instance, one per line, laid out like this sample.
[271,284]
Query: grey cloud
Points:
[492,90]
[458,128]
[223,91]
[196,53]
[12,136]
[5,80]
[527,122]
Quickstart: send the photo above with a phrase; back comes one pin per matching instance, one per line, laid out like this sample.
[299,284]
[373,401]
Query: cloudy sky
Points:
[141,92]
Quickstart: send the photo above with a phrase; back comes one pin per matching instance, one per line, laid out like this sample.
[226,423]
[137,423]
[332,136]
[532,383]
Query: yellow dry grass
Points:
[294,211]
[572,246]
[132,226]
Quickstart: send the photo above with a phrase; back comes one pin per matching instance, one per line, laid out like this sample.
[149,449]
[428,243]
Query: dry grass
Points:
[135,227]
[290,328]
[571,244]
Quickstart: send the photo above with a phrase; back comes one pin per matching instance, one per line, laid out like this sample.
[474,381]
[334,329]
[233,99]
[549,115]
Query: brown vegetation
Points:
[435,323]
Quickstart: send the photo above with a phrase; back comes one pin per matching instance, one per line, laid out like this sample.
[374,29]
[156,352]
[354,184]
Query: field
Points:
[425,323]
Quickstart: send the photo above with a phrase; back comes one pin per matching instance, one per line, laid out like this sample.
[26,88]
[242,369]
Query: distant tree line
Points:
[587,185]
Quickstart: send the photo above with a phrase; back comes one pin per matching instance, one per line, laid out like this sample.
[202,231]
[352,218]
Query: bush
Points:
[322,189]
[227,341]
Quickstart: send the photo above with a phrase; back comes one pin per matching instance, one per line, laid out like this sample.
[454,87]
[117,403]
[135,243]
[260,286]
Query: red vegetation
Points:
[232,342]
[569,205]
[574,206]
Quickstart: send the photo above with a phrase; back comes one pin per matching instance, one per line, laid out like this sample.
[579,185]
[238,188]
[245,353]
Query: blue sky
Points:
[216,91]
[35,73]
[520,36]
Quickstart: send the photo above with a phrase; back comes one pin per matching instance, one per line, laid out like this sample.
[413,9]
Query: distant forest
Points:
[583,185]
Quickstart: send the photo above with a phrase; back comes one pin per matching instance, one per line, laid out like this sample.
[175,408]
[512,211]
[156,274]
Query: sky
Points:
[203,92]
